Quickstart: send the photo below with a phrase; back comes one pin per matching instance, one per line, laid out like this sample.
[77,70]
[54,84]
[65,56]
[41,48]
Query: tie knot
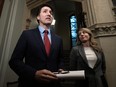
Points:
[46,31]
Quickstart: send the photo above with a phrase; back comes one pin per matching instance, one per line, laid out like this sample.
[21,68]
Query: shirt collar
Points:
[41,29]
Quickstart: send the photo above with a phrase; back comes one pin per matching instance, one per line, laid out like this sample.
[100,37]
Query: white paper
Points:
[80,74]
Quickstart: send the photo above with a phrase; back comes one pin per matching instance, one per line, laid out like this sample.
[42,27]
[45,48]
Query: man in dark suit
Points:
[39,66]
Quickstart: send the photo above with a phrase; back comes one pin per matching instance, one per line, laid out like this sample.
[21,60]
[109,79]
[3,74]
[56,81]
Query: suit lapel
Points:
[39,40]
[82,53]
[52,42]
[98,59]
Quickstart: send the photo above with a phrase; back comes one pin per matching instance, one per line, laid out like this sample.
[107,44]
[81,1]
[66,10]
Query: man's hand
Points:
[45,75]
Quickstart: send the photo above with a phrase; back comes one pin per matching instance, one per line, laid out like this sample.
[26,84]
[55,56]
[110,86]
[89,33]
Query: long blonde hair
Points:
[93,42]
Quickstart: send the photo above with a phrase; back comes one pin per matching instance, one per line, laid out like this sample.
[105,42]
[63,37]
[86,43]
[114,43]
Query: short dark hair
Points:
[43,5]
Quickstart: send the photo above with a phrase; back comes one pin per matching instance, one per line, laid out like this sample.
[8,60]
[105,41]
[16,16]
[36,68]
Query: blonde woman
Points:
[89,57]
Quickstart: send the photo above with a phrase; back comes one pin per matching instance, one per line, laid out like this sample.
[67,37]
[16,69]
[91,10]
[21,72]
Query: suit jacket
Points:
[29,56]
[93,77]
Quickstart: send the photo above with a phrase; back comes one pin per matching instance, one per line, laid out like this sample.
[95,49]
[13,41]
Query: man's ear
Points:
[37,17]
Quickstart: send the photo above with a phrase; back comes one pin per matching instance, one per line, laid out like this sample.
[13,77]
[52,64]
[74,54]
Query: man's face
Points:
[45,17]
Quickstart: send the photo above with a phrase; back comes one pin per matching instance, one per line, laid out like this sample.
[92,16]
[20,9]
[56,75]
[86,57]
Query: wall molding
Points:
[104,29]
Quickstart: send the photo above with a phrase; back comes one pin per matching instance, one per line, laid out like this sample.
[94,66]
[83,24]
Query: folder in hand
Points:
[79,74]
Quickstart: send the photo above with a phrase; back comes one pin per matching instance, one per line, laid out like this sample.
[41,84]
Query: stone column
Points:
[105,33]
[102,11]
[98,11]
[101,21]
[12,28]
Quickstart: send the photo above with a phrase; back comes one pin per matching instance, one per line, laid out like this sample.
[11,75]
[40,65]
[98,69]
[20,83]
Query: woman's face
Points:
[83,36]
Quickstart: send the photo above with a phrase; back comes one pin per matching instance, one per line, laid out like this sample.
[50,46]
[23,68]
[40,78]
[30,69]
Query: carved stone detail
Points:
[104,29]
